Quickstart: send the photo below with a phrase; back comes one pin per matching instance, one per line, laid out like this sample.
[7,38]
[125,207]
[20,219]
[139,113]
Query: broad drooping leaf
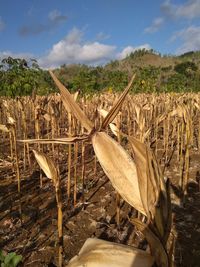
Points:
[47,165]
[119,167]
[152,187]
[100,253]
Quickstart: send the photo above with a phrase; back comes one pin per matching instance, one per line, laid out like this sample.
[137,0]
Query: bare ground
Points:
[34,233]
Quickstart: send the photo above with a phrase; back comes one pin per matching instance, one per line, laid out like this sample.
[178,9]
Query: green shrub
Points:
[9,260]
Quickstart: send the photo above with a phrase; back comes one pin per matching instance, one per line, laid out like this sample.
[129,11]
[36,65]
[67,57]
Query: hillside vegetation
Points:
[155,73]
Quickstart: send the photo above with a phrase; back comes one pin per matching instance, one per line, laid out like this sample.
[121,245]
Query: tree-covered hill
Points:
[155,73]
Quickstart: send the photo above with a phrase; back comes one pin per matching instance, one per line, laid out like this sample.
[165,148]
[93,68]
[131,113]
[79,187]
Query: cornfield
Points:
[111,178]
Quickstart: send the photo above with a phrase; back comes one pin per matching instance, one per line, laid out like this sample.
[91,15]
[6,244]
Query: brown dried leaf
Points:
[67,140]
[96,253]
[119,167]
[152,187]
[71,106]
[75,95]
[157,249]
[47,165]
[115,109]
[148,189]
[4,128]
[113,127]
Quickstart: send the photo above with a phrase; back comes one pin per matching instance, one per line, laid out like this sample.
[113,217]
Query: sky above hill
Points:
[94,32]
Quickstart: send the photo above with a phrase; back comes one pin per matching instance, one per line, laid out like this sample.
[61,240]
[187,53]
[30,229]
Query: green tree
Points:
[20,77]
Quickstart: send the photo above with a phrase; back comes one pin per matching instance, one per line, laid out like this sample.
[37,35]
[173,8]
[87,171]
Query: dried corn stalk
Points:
[49,168]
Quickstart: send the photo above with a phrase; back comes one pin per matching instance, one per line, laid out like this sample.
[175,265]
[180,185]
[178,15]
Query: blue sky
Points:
[96,31]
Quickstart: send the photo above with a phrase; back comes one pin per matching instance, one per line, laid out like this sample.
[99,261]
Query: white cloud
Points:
[189,10]
[130,49]
[2,24]
[155,26]
[190,38]
[72,49]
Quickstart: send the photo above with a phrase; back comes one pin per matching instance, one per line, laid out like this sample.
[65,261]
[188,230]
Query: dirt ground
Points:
[34,235]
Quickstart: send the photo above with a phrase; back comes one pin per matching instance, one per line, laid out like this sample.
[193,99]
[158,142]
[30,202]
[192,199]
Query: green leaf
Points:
[9,257]
[16,260]
[2,257]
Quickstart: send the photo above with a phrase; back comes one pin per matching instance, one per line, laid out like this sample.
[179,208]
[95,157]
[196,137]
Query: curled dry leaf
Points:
[147,184]
[47,165]
[4,128]
[11,120]
[157,249]
[160,118]
[47,117]
[66,140]
[75,95]
[71,106]
[100,253]
[119,167]
[112,126]
[152,186]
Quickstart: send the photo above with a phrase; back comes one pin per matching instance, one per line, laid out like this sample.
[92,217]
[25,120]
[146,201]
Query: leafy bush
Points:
[9,260]
[185,67]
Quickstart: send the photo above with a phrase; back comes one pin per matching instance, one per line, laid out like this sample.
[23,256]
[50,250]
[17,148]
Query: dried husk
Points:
[119,167]
[47,165]
[100,253]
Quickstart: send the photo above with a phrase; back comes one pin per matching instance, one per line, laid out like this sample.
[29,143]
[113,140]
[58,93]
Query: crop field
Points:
[123,168]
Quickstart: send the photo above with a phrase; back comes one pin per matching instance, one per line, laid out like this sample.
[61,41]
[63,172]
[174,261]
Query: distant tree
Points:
[20,77]
[185,68]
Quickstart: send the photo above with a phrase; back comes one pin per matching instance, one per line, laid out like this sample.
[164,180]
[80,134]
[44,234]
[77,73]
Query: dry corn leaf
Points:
[115,109]
[197,105]
[47,165]
[115,130]
[75,95]
[104,113]
[71,106]
[67,140]
[152,186]
[137,111]
[112,126]
[157,249]
[47,117]
[148,196]
[119,167]
[100,253]
[160,118]
[11,120]
[4,128]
